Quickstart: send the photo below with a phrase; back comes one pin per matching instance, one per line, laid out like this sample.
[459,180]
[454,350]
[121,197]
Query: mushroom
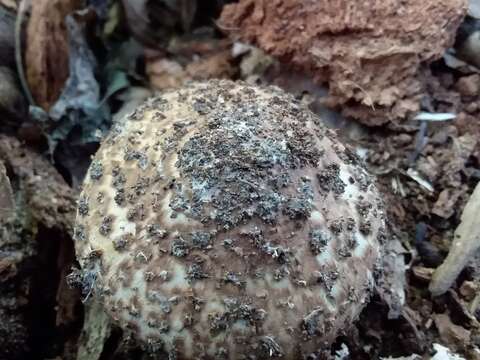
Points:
[223,220]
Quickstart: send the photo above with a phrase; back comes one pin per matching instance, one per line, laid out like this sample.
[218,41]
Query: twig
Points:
[466,242]
[22,14]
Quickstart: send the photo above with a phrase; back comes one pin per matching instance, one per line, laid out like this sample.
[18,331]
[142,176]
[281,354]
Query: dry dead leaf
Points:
[46,49]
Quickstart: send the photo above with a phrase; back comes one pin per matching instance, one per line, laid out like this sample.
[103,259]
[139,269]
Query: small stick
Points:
[466,242]
[22,14]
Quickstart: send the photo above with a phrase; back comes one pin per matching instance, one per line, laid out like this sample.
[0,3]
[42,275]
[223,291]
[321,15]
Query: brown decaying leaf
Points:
[46,49]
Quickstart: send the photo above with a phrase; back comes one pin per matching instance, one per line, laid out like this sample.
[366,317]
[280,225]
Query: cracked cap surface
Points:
[222,220]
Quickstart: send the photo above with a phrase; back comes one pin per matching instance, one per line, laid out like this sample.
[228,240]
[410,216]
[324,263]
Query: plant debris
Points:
[465,244]
[47,50]
[345,43]
[351,61]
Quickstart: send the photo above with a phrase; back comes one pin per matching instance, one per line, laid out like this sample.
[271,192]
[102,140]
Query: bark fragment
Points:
[369,52]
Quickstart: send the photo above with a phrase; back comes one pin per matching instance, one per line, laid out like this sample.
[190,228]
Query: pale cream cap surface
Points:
[223,220]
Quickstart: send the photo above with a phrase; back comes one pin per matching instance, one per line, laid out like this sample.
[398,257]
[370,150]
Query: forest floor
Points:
[427,168]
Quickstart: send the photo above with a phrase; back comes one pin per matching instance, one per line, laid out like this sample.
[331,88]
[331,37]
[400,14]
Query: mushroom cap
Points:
[224,220]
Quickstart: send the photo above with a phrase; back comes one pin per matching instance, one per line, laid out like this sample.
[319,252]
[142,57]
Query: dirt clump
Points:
[369,52]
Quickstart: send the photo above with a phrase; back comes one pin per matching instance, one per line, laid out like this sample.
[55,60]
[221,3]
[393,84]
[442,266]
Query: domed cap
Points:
[223,220]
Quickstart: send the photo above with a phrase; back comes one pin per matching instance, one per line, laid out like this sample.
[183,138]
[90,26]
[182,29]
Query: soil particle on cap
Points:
[233,278]
[120,242]
[318,240]
[106,225]
[195,272]
[96,170]
[155,231]
[179,248]
[201,240]
[329,179]
[135,213]
[139,156]
[327,278]
[83,207]
[365,227]
[313,321]
[79,233]
[281,273]
[119,197]
[336,226]
[119,179]
[234,167]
